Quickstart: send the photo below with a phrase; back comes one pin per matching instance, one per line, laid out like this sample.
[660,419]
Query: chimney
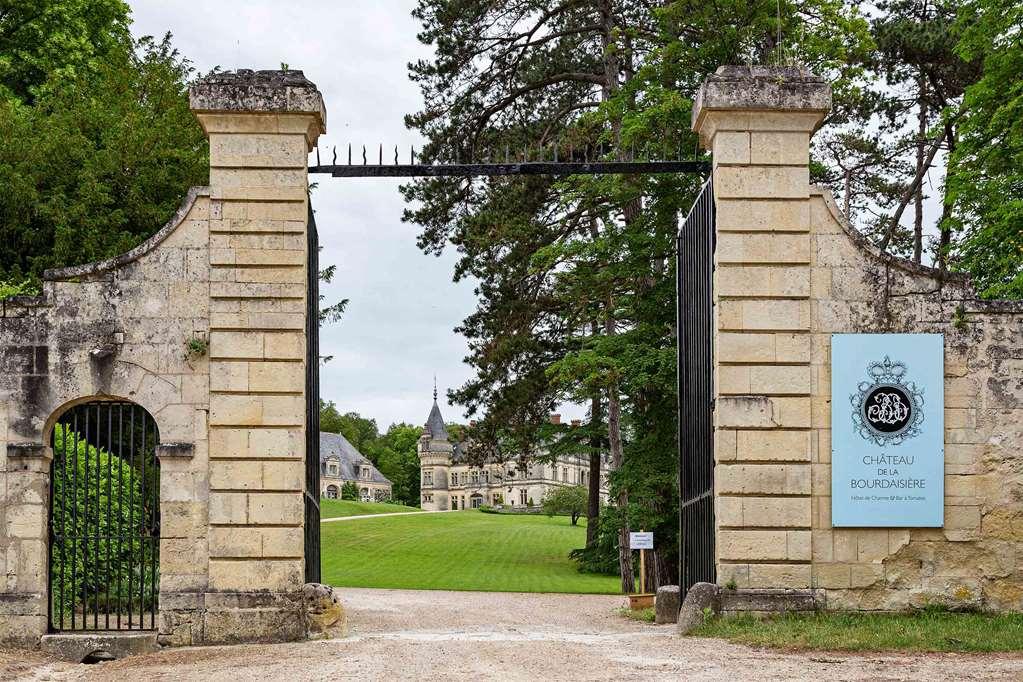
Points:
[577,422]
[555,418]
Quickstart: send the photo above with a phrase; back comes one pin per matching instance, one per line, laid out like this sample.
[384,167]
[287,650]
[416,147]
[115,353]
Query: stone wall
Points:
[976,559]
[230,269]
[116,329]
[789,273]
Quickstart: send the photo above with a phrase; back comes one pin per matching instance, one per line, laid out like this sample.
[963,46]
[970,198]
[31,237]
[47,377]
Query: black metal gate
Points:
[312,403]
[104,519]
[695,272]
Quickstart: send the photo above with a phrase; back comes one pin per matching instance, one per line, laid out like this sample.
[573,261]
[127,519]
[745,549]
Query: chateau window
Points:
[365,472]
[475,475]
[428,477]
[523,496]
[332,468]
[486,476]
[331,492]
[564,474]
[454,479]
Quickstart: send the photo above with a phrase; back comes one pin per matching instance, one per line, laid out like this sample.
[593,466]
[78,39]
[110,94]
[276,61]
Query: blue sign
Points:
[887,430]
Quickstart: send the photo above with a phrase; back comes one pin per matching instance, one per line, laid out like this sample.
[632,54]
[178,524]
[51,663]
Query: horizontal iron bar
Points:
[527,168]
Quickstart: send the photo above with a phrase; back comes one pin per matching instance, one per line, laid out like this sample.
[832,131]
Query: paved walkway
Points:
[377,516]
[418,635]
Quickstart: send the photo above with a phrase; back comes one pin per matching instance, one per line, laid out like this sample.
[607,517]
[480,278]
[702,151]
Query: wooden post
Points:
[642,569]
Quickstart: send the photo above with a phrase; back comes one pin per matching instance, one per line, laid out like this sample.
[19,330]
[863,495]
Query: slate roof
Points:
[336,445]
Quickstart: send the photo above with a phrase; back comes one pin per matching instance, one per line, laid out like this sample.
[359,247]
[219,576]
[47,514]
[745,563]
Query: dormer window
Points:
[365,473]
[333,467]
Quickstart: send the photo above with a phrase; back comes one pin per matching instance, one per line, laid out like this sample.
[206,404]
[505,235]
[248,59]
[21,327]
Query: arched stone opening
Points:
[104,516]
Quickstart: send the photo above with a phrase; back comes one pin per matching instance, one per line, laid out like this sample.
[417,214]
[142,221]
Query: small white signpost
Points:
[641,541]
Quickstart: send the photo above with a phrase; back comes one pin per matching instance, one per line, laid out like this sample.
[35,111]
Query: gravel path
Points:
[410,635]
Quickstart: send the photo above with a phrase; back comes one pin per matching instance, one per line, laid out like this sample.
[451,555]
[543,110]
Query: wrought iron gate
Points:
[312,404]
[695,272]
[104,519]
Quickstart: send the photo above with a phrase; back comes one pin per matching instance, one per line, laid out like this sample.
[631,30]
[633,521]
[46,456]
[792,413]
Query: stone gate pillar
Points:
[758,122]
[261,126]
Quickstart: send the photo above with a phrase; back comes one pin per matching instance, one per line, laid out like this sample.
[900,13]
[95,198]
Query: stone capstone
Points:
[667,604]
[699,598]
[775,88]
[270,91]
[325,615]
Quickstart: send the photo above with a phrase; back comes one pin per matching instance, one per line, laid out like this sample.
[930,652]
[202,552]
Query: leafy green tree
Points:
[575,275]
[565,501]
[349,491]
[44,42]
[399,462]
[98,164]
[330,418]
[110,508]
[986,167]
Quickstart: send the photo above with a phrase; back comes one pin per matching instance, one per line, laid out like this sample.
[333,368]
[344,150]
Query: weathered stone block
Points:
[755,249]
[794,576]
[701,598]
[762,182]
[782,148]
[325,616]
[762,281]
[667,604]
[731,148]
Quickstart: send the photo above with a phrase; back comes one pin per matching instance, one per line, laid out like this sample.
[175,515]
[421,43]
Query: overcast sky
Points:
[398,329]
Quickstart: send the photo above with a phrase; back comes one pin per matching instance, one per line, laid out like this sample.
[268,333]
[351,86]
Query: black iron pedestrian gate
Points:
[104,519]
[695,272]
[312,405]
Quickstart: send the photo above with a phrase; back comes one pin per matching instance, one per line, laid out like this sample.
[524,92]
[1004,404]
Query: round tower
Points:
[435,451]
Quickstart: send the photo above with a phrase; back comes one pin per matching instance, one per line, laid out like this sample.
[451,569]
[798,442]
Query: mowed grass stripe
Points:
[465,550]
[333,509]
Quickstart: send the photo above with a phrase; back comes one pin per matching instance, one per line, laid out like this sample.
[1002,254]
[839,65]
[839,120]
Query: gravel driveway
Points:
[404,634]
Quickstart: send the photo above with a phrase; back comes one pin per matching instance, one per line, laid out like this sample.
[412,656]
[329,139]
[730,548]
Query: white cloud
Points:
[398,329]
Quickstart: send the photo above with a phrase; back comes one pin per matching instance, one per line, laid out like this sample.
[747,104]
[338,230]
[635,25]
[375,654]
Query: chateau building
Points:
[448,481]
[341,463]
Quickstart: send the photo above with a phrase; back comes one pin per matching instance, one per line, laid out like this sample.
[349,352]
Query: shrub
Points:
[349,491]
[602,557]
[110,508]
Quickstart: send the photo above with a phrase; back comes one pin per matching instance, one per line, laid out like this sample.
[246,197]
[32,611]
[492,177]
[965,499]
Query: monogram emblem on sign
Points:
[887,409]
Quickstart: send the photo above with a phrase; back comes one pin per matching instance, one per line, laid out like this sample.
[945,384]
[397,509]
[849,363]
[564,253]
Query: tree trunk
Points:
[593,493]
[612,71]
[918,199]
[946,209]
[614,435]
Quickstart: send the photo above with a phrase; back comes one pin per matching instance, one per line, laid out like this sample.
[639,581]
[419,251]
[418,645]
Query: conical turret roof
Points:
[435,423]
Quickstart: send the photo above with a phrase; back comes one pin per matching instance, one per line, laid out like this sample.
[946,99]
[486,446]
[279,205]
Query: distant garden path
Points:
[377,516]
[411,635]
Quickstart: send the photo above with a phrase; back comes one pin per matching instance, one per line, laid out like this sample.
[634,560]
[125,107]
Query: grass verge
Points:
[461,550]
[926,630]
[332,509]
[647,615]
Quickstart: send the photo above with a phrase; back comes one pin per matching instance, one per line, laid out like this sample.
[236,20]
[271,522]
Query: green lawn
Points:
[924,631]
[464,550]
[332,509]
